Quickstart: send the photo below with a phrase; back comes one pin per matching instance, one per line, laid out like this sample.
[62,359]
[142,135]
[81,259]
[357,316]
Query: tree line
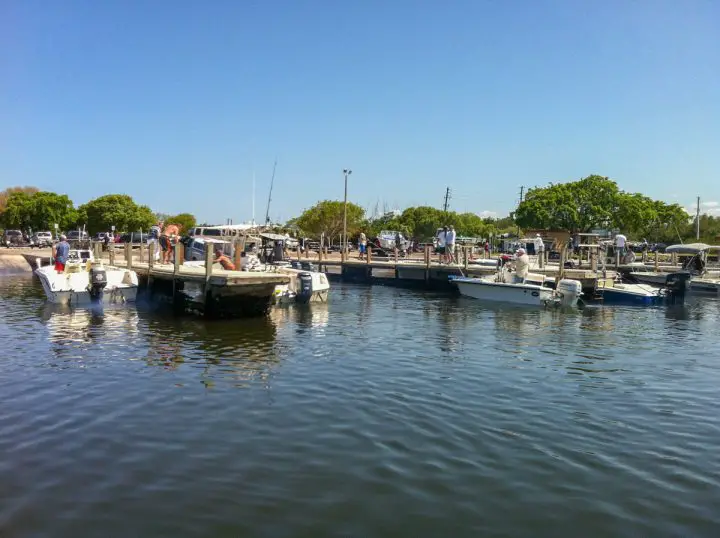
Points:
[28,208]
[419,223]
[597,202]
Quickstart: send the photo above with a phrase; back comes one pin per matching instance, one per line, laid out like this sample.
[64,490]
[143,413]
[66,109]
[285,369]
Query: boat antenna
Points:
[272,181]
[253,198]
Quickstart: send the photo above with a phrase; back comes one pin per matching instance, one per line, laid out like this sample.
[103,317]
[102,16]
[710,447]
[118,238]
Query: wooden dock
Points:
[209,290]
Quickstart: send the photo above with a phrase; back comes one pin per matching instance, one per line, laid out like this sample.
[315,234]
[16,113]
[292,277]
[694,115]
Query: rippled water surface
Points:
[387,413]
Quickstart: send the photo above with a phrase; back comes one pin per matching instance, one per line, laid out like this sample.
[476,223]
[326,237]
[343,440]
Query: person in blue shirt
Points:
[60,254]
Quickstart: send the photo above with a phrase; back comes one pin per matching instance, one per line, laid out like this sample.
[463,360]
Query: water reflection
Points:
[236,351]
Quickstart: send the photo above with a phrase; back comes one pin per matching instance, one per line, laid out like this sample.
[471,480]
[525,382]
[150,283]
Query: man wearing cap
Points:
[60,254]
[450,245]
[539,246]
[522,265]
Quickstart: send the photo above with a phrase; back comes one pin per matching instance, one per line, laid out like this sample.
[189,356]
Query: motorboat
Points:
[86,281]
[307,285]
[694,265]
[615,291]
[531,291]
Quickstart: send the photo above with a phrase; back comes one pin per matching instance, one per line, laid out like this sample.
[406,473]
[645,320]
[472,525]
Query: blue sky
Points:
[177,102]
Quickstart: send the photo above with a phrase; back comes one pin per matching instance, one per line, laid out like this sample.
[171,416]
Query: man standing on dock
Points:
[362,245]
[154,238]
[620,240]
[450,245]
[539,246]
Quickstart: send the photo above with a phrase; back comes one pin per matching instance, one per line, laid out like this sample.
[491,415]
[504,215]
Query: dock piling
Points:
[657,262]
[237,253]
[111,254]
[128,255]
[151,255]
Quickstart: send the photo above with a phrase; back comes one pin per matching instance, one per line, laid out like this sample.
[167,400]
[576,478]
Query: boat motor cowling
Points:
[98,281]
[677,285]
[305,288]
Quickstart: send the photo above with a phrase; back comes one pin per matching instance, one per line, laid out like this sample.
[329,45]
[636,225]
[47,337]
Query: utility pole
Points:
[447,200]
[346,172]
[697,220]
[522,192]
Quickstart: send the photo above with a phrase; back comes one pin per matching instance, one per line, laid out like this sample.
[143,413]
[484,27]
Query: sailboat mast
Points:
[272,181]
[253,199]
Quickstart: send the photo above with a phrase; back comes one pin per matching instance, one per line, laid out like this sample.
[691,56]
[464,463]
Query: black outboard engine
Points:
[98,281]
[305,288]
[677,286]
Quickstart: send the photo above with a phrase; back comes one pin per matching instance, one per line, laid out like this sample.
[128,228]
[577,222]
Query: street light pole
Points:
[346,172]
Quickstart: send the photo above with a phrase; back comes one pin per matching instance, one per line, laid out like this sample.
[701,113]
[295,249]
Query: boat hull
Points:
[71,289]
[477,288]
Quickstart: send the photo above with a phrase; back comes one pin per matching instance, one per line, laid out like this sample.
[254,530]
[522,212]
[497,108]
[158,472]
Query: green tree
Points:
[326,217]
[4,195]
[39,210]
[115,209]
[184,220]
[577,206]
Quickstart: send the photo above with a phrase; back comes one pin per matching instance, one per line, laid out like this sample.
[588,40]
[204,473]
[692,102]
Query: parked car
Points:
[195,247]
[77,235]
[135,238]
[41,239]
[14,238]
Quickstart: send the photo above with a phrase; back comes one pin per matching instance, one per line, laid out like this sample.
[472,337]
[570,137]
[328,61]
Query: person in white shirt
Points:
[539,245]
[441,244]
[522,265]
[450,245]
[620,240]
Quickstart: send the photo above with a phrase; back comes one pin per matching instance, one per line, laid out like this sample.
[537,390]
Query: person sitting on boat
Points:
[60,254]
[522,265]
[223,260]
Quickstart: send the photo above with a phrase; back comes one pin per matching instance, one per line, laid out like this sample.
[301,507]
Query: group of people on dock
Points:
[163,238]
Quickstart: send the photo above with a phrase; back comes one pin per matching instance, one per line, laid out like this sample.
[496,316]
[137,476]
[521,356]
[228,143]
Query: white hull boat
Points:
[86,282]
[304,287]
[530,293]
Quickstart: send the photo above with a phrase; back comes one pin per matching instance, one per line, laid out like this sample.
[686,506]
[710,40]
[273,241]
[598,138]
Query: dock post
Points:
[237,253]
[428,259]
[657,255]
[178,258]
[368,255]
[298,251]
[128,255]
[151,255]
[673,258]
[593,260]
[396,255]
[465,257]
[561,269]
[208,264]
[541,259]
[617,260]
[111,254]
[142,252]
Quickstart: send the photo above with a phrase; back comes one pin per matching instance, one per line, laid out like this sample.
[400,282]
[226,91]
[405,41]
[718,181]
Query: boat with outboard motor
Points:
[86,281]
[531,291]
[695,266]
[307,284]
[615,291]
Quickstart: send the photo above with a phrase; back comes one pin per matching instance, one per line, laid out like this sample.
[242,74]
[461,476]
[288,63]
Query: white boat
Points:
[85,281]
[695,265]
[530,292]
[306,285]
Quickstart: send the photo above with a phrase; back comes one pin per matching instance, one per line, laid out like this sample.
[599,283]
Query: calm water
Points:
[386,413]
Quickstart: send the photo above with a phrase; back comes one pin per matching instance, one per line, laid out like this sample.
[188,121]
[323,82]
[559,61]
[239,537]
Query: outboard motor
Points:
[569,291]
[98,281]
[305,288]
[677,286]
